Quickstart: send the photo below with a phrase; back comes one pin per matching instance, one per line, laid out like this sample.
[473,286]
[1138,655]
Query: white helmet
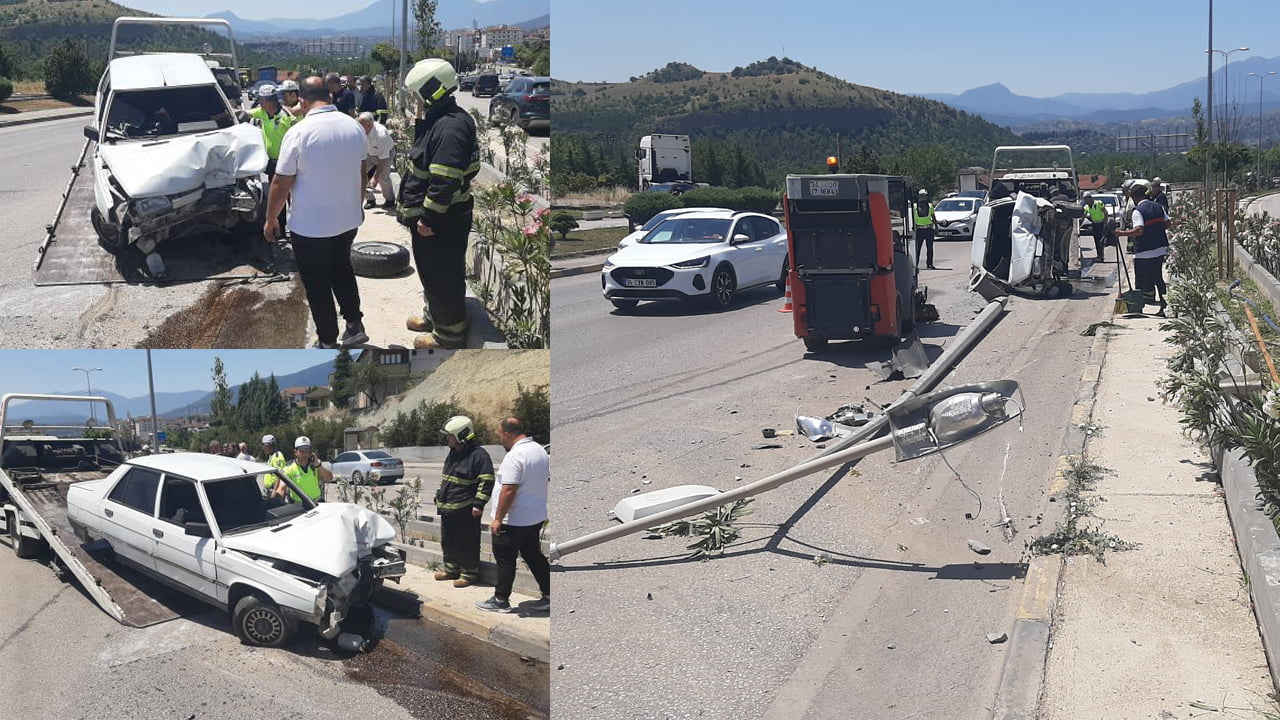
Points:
[302,443]
[266,90]
[460,428]
[923,192]
[268,439]
[433,79]
[289,86]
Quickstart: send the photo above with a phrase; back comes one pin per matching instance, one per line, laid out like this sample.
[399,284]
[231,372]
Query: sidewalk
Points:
[32,116]
[581,265]
[522,633]
[1169,623]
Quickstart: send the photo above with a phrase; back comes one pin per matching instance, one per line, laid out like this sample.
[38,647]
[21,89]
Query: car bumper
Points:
[668,283]
[953,231]
[217,210]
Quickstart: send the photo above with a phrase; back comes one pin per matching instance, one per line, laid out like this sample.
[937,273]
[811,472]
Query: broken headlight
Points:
[151,206]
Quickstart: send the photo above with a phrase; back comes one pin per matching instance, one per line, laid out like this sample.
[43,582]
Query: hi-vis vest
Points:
[273,128]
[307,480]
[923,220]
[1097,211]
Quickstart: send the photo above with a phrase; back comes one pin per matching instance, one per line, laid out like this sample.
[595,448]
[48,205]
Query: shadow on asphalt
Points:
[766,295]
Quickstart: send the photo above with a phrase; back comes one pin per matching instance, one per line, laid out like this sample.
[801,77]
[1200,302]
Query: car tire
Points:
[782,280]
[908,321]
[378,259]
[261,622]
[815,344]
[108,240]
[23,546]
[724,286]
[625,304]
[357,477]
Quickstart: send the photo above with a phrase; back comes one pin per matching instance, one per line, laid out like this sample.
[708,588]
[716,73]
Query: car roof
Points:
[199,466]
[711,214]
[146,72]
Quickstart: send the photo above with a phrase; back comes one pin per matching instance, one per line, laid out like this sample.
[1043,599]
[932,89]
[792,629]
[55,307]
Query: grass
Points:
[12,107]
[587,240]
[1076,536]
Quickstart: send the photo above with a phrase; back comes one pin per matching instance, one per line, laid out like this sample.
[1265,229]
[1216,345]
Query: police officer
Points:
[924,226]
[1097,213]
[435,202]
[305,471]
[289,99]
[274,121]
[465,485]
[275,458]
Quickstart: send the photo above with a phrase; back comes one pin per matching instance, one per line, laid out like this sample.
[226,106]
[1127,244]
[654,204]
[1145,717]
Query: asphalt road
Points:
[63,658]
[849,595]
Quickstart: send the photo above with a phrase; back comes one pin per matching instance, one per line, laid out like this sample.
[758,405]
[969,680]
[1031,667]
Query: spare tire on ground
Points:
[379,259]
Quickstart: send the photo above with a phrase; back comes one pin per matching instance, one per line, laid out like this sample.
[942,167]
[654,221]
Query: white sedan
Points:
[710,255]
[364,465]
[657,220]
[956,216]
[211,526]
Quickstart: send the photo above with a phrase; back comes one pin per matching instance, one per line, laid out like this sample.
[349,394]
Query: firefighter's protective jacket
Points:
[442,162]
[466,480]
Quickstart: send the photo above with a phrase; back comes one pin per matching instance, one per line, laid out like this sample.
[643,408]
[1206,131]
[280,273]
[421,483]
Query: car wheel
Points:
[908,321]
[815,344]
[723,287]
[357,477]
[378,259]
[625,304]
[109,240]
[782,279]
[261,622]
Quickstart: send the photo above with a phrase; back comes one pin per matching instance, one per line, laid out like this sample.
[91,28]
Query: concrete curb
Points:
[12,122]
[1265,281]
[577,270]
[1022,677]
[1259,548]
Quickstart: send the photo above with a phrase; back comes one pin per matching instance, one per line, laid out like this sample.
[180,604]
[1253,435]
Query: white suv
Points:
[712,254]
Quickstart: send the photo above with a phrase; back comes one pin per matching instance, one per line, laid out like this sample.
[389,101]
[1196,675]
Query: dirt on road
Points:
[233,316]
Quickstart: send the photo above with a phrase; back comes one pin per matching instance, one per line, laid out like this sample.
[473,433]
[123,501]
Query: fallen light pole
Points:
[918,426]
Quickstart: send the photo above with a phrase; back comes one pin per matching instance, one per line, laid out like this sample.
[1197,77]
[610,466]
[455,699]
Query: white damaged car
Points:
[171,158]
[209,526]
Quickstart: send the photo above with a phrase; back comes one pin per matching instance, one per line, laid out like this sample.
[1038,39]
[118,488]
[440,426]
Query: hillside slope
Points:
[788,114]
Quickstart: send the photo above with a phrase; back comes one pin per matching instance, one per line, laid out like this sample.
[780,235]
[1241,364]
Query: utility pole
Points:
[151,387]
[1208,156]
[404,48]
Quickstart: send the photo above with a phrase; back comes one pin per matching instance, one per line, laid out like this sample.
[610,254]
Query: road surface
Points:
[63,658]
[849,595]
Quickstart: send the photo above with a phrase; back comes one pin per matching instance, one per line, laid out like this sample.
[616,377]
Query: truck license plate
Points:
[824,188]
[640,282]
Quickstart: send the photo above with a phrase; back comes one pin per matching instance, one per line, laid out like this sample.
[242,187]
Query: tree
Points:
[542,63]
[66,70]
[221,408]
[931,166]
[368,378]
[386,56]
[278,409]
[563,223]
[340,380]
[428,28]
[7,66]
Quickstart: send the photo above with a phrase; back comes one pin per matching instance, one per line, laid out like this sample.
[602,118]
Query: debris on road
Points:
[820,429]
[851,415]
[979,547]
[996,638]
[766,446]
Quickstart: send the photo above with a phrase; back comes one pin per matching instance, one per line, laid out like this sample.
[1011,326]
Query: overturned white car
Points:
[171,158]
[208,525]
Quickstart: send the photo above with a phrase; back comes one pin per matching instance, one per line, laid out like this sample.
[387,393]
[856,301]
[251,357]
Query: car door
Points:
[129,516]
[345,463]
[749,257]
[774,241]
[186,559]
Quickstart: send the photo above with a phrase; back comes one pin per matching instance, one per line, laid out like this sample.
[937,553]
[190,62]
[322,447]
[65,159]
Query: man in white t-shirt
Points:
[1151,224]
[523,476]
[378,146]
[244,452]
[321,167]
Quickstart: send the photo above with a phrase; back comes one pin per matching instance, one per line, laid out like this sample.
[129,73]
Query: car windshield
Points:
[244,503]
[377,455]
[167,111]
[658,219]
[688,230]
[954,206]
[1108,200]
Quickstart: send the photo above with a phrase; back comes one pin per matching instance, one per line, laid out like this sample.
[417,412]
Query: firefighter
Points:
[465,485]
[435,203]
[924,226]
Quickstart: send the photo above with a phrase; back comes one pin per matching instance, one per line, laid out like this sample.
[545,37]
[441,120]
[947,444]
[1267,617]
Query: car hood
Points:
[331,538]
[185,162]
[645,255]
[953,215]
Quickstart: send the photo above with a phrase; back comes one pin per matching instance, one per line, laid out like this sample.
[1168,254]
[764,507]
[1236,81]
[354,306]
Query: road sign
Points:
[162,436]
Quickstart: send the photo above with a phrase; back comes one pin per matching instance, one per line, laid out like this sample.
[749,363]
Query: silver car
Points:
[368,466]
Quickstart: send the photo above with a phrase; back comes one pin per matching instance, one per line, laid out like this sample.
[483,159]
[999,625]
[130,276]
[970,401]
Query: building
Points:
[318,399]
[142,426]
[462,41]
[537,36]
[401,368]
[498,36]
[345,46]
[296,396]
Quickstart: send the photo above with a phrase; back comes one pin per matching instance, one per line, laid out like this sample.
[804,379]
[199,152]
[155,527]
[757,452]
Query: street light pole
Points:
[1261,81]
[1208,156]
[88,385]
[1226,83]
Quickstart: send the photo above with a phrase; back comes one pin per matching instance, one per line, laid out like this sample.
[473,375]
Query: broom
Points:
[1128,299]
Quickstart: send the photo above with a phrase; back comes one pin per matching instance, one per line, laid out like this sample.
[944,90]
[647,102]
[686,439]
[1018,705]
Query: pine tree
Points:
[340,380]
[221,408]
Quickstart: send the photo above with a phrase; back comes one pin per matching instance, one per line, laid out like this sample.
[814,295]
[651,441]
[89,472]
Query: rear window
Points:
[168,111]
[377,455]
[487,80]
[540,88]
[137,489]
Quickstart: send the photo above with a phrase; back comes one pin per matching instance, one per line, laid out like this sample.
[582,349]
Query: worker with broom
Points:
[1150,231]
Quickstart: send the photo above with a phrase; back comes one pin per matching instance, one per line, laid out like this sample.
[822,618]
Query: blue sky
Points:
[125,371]
[253,9]
[921,47]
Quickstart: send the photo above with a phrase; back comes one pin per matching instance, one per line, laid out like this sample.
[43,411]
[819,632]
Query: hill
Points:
[375,18]
[787,114]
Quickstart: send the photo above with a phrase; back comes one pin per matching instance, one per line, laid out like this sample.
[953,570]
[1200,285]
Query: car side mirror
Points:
[91,133]
[741,238]
[198,529]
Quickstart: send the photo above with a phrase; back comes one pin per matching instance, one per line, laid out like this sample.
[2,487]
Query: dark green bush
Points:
[721,197]
[757,199]
[66,70]
[644,205]
[533,407]
[6,88]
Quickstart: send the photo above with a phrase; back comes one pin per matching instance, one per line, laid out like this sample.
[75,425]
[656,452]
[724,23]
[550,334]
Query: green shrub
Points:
[66,70]
[757,199]
[563,223]
[533,407]
[720,197]
[6,88]
[644,205]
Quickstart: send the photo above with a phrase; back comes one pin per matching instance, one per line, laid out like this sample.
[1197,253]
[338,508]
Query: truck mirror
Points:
[199,529]
[91,132]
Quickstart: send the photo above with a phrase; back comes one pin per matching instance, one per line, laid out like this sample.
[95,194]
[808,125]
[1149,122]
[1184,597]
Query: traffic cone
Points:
[786,307]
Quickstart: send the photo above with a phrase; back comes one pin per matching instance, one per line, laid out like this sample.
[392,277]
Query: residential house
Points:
[296,396]
[319,399]
[401,367]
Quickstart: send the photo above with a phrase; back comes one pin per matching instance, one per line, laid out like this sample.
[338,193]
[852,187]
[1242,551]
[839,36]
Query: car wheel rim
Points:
[263,626]
[723,288]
